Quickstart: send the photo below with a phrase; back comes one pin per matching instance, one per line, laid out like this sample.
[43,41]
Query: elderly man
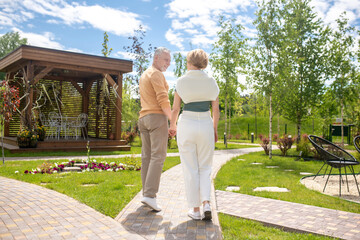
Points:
[153,125]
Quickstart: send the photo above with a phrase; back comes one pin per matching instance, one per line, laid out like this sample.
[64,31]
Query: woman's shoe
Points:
[194,215]
[207,212]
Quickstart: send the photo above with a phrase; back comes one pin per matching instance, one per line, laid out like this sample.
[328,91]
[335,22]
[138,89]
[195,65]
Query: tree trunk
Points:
[298,126]
[313,126]
[270,126]
[255,120]
[2,140]
[278,125]
[229,111]
[225,117]
[342,122]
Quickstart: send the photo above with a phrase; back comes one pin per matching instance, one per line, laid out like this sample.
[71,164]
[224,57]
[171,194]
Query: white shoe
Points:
[194,215]
[207,212]
[151,203]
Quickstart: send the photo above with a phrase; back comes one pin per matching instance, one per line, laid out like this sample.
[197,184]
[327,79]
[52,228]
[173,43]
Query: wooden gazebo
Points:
[74,81]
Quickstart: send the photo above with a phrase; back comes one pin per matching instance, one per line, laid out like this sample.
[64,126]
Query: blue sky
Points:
[176,24]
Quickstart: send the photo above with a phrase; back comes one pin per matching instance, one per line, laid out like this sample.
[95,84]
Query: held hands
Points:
[172,130]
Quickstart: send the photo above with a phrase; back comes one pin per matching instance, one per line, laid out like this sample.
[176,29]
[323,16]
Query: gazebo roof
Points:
[63,64]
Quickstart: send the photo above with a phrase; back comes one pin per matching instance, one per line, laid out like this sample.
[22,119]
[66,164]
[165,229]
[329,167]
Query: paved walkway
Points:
[29,211]
[290,216]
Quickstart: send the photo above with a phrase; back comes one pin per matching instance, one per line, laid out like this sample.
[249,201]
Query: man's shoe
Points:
[194,215]
[151,203]
[207,212]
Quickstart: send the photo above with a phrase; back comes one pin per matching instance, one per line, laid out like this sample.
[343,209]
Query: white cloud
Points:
[195,21]
[124,55]
[46,39]
[329,12]
[116,21]
[174,38]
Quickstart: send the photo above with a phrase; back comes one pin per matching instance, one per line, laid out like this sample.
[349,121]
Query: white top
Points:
[197,86]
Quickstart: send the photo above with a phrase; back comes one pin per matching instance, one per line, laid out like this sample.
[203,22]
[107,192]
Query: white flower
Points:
[39,169]
[112,163]
[16,172]
[88,169]
[100,170]
[84,170]
[54,171]
[56,165]
[94,160]
[109,170]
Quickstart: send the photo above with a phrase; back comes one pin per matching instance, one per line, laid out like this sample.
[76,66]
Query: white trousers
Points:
[195,139]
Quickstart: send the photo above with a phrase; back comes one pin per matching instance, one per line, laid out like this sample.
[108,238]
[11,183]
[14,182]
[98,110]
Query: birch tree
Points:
[342,64]
[228,59]
[303,58]
[264,53]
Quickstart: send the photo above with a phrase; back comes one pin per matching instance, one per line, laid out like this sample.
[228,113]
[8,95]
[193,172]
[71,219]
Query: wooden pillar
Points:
[118,108]
[29,78]
[7,124]
[6,129]
[97,127]
[85,104]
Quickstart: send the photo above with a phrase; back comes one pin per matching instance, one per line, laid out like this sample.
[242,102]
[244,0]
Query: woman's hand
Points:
[216,135]
[172,130]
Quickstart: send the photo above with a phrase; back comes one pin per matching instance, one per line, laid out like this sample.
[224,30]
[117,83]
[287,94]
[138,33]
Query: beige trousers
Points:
[154,137]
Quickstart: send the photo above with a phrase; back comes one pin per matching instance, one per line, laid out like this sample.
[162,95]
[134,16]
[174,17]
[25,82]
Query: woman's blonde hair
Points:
[198,58]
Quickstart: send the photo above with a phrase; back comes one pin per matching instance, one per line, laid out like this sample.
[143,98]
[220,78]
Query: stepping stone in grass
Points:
[80,164]
[256,163]
[232,188]
[241,159]
[288,170]
[306,173]
[272,166]
[271,189]
[89,184]
[72,169]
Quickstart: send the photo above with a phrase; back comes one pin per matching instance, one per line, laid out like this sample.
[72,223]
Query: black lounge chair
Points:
[335,157]
[357,143]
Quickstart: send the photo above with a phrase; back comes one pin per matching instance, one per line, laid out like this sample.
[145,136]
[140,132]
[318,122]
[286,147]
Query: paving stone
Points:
[293,216]
[36,199]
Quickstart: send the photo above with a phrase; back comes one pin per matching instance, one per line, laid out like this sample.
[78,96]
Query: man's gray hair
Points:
[161,50]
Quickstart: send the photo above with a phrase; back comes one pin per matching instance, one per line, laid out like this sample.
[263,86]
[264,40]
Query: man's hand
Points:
[172,131]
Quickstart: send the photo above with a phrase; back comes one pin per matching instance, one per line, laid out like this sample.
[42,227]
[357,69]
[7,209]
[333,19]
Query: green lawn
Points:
[237,228]
[249,176]
[241,125]
[108,192]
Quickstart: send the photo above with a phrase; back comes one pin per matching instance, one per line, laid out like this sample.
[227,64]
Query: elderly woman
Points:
[196,131]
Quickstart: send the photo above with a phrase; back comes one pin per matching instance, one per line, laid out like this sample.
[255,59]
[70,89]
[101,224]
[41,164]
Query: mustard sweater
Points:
[153,92]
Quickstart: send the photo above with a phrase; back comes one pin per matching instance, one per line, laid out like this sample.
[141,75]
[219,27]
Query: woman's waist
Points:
[196,115]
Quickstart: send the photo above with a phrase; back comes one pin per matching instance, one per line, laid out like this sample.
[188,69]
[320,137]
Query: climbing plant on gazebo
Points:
[9,104]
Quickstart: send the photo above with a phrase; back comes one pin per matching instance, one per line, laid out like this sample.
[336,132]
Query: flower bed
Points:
[129,163]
